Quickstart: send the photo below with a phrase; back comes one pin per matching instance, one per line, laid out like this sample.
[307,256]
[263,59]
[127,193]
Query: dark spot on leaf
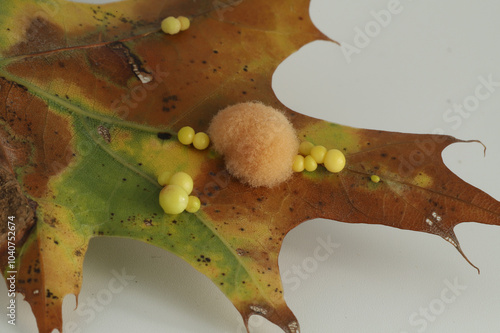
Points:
[170,98]
[164,136]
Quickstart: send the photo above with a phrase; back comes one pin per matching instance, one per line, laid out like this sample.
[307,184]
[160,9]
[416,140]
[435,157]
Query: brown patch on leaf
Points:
[15,205]
[41,138]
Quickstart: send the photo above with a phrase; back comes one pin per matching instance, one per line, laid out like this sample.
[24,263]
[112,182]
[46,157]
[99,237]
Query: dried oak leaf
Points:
[91,99]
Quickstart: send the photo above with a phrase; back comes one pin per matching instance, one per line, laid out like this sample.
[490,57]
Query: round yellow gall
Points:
[201,141]
[375,178]
[183,180]
[193,205]
[334,160]
[186,135]
[305,148]
[173,199]
[185,23]
[298,163]
[258,142]
[171,25]
[164,177]
[310,163]
[318,153]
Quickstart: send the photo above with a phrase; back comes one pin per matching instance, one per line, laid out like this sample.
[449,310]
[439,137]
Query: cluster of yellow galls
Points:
[175,196]
[172,25]
[310,156]
[187,136]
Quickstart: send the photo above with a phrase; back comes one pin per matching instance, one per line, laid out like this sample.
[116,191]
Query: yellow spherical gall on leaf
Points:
[318,153]
[185,23]
[171,25]
[173,199]
[375,178]
[183,180]
[164,177]
[193,205]
[334,160]
[201,140]
[186,135]
[305,148]
[310,163]
[298,163]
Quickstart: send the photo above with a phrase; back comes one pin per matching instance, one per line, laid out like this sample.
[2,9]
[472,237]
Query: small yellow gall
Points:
[201,140]
[185,23]
[334,160]
[171,25]
[305,148]
[164,177]
[193,205]
[318,153]
[375,178]
[298,163]
[173,199]
[186,135]
[310,163]
[183,180]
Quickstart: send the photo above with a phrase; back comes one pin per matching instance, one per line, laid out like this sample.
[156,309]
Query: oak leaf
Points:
[90,109]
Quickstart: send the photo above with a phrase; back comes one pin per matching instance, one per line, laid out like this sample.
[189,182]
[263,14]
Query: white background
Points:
[412,71]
